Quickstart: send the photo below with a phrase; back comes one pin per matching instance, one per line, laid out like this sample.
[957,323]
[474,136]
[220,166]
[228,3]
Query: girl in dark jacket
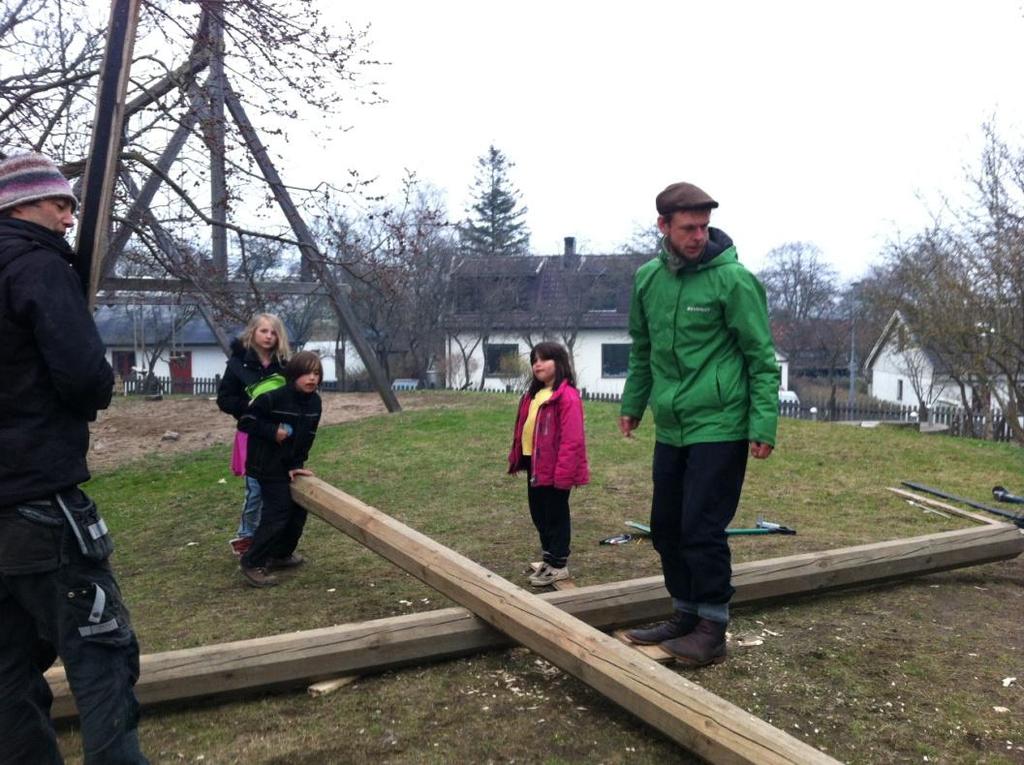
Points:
[282,424]
[257,357]
[549,443]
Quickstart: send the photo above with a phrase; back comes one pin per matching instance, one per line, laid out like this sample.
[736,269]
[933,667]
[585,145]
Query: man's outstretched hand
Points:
[627,425]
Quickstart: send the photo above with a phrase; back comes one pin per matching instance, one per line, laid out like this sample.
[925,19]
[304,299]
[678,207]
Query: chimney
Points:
[569,256]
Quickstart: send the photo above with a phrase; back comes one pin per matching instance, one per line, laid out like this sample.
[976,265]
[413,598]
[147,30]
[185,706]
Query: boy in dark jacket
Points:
[282,425]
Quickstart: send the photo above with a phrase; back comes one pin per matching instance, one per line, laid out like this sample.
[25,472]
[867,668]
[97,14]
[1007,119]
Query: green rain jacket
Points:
[702,352]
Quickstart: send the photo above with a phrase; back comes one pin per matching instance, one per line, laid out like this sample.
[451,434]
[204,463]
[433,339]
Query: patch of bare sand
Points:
[133,428]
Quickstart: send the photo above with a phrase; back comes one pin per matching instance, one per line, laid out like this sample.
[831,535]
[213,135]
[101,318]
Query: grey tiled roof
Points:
[549,287]
[128,325]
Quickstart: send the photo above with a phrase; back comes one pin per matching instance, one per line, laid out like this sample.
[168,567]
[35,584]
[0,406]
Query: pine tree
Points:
[496,224]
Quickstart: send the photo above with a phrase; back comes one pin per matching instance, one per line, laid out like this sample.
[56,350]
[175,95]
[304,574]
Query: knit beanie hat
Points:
[30,177]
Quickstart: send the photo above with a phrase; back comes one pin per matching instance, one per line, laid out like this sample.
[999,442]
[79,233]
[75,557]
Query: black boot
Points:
[681,623]
[704,645]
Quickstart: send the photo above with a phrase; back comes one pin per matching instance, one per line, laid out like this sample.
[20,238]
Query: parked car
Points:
[788,397]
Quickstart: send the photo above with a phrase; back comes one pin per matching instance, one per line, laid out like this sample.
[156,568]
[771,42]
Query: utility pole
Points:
[852,393]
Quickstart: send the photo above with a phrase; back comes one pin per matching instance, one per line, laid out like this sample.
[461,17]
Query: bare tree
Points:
[799,283]
[398,259]
[960,285]
[277,58]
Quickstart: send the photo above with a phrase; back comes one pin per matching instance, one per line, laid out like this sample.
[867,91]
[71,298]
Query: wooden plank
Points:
[146,285]
[705,724]
[944,506]
[300,658]
[655,652]
[105,145]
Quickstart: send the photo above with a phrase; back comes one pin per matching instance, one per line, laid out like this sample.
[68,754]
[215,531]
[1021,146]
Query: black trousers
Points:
[56,602]
[549,510]
[281,525]
[696,492]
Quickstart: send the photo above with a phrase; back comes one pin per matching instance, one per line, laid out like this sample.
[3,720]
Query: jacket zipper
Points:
[536,443]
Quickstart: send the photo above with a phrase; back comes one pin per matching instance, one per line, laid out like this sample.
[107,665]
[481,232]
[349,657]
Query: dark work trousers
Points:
[696,491]
[280,528]
[54,602]
[549,509]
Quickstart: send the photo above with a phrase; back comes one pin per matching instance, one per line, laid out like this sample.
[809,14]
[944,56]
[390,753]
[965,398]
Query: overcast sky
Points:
[806,120]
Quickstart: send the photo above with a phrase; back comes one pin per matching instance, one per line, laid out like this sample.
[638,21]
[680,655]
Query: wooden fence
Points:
[207,386]
[991,425]
[143,386]
[958,422]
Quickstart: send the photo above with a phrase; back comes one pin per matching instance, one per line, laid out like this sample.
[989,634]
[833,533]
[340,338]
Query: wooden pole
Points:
[144,198]
[311,258]
[105,145]
[693,717]
[301,658]
[213,130]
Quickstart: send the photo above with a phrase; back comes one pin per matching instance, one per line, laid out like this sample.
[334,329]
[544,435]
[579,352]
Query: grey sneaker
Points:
[548,575]
[535,570]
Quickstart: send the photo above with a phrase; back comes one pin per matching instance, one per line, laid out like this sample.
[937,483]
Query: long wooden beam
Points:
[945,506]
[105,145]
[300,658]
[145,284]
[703,723]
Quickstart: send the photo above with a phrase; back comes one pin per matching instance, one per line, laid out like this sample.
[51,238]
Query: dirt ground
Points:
[133,428]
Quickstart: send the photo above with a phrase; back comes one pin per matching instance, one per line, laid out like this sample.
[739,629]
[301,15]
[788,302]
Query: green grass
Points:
[891,674]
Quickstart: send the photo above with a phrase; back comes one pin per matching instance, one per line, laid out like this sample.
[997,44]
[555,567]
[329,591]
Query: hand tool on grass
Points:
[618,539]
[1003,495]
[1017,519]
[761,527]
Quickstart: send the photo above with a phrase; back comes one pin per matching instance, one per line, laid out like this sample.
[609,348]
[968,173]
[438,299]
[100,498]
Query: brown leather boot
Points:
[705,645]
[292,561]
[258,577]
[681,623]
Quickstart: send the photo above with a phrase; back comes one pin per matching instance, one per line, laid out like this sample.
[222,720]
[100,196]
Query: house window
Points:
[899,390]
[614,359]
[493,354]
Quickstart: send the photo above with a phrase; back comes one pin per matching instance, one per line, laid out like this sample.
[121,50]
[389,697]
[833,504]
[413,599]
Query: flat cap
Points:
[683,196]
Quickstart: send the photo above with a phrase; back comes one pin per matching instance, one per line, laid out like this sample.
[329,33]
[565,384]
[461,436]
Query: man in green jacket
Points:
[703,359]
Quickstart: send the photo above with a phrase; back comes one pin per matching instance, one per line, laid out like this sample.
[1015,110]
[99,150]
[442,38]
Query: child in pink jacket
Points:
[549,444]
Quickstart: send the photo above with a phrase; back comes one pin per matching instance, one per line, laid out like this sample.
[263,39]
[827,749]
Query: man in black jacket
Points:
[58,595]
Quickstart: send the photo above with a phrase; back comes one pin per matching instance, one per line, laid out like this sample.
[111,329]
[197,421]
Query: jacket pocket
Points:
[730,385]
[30,539]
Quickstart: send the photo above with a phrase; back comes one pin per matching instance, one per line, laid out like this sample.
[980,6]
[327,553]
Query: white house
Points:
[504,305]
[160,336]
[901,371]
[326,350]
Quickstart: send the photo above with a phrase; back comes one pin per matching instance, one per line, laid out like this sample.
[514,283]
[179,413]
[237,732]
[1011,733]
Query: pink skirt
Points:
[238,452]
